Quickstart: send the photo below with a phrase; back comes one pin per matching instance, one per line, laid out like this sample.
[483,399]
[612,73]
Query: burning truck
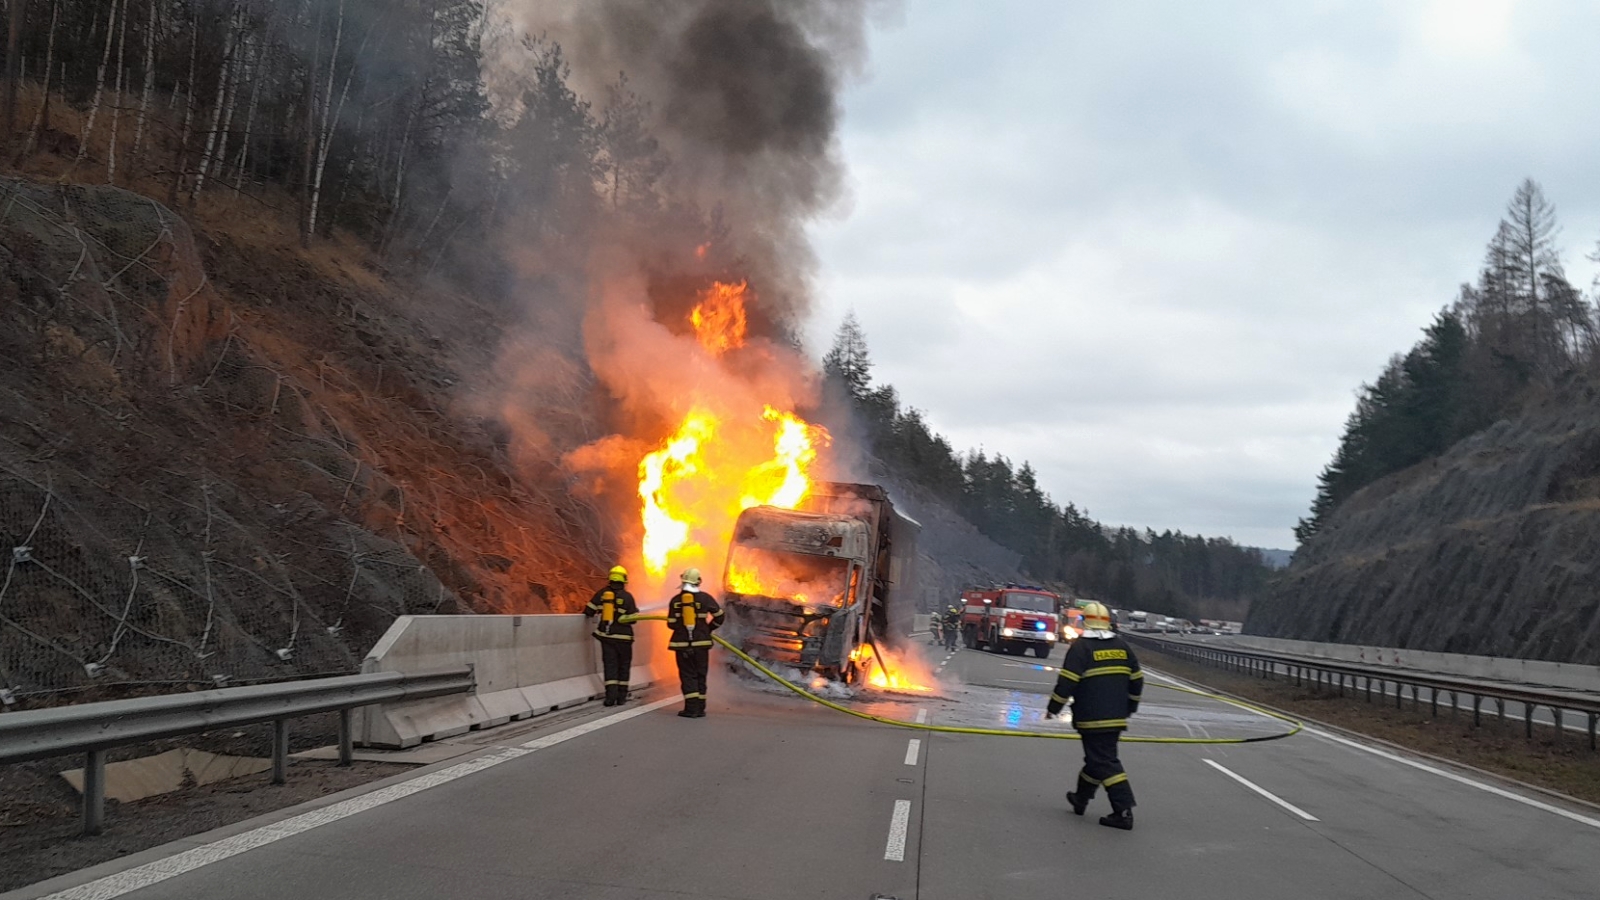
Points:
[817,587]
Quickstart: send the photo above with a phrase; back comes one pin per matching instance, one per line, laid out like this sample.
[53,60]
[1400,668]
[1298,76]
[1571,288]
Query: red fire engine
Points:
[1011,619]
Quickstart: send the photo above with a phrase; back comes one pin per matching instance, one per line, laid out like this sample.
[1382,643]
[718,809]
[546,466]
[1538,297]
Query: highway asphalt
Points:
[772,797]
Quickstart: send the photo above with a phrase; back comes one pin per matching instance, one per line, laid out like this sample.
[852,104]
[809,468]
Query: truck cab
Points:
[1011,619]
[809,587]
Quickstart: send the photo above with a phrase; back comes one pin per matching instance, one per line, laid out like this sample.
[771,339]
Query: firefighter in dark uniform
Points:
[611,603]
[1101,679]
[952,626]
[692,615]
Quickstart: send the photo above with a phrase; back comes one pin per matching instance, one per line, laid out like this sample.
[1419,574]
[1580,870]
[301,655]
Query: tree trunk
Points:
[188,117]
[310,103]
[41,118]
[149,85]
[223,82]
[322,141]
[116,105]
[13,69]
[250,112]
[99,85]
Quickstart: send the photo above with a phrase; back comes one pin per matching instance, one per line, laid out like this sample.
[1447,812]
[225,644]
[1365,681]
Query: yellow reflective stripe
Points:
[1118,778]
[1085,776]
[1139,674]
[1108,670]
[694,696]
[606,636]
[1103,723]
[615,681]
[1059,699]
[1070,676]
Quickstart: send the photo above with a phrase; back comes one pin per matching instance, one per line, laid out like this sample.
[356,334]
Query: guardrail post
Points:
[1527,720]
[1415,696]
[1477,720]
[1399,695]
[1592,718]
[346,736]
[280,751]
[1555,715]
[1433,703]
[94,791]
[1500,709]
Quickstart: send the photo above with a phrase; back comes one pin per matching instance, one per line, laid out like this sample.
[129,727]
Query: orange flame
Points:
[659,473]
[719,319]
[893,671]
[701,477]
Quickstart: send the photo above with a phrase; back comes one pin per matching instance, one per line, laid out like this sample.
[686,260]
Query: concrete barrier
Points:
[1496,668]
[921,622]
[524,666]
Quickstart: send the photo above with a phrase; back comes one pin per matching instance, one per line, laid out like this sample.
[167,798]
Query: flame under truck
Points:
[1011,619]
[810,587]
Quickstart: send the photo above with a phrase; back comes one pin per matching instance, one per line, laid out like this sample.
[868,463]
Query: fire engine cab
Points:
[1010,619]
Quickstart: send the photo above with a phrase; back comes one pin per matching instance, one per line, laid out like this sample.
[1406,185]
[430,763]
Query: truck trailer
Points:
[810,587]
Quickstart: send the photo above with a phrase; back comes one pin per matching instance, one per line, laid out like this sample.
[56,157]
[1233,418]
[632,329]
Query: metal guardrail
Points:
[1340,675]
[93,728]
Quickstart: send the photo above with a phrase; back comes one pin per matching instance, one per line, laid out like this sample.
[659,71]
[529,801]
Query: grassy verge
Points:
[1566,765]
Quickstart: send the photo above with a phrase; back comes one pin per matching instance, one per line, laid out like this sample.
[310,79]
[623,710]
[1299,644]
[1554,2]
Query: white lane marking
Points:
[160,870]
[922,717]
[895,850]
[1459,779]
[911,751]
[1263,792]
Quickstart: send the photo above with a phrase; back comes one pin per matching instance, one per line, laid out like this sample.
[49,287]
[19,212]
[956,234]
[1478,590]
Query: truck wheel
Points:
[970,638]
[1042,651]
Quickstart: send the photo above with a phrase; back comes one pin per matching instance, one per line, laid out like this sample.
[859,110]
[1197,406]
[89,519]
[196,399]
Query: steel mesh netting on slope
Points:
[128,561]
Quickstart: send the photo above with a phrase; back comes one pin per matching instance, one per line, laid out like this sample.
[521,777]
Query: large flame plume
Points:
[736,441]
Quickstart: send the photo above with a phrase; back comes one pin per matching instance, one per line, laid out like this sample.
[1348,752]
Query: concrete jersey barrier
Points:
[524,666]
[1496,668]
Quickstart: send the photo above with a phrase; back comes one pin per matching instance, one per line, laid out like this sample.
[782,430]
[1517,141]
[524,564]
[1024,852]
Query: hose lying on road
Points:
[1294,726]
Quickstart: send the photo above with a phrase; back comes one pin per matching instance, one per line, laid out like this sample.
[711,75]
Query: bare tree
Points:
[149,84]
[40,117]
[116,106]
[13,66]
[99,84]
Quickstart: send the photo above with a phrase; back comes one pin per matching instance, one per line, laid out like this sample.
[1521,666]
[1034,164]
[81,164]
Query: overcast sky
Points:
[1154,247]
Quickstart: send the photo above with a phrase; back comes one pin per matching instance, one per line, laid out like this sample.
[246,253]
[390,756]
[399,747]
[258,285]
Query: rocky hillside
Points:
[225,459]
[1491,548]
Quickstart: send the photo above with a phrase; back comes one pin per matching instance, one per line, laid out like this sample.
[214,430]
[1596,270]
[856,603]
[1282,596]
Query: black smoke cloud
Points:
[745,98]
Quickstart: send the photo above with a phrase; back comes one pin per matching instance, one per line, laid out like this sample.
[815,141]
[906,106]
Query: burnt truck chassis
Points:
[824,638]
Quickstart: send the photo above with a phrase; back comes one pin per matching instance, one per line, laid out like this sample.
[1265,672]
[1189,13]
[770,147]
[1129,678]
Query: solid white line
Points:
[1264,792]
[922,717]
[895,851]
[1459,779]
[911,751]
[160,870]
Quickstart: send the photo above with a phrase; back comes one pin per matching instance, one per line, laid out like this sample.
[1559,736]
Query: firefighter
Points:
[1102,680]
[692,615]
[952,626]
[611,603]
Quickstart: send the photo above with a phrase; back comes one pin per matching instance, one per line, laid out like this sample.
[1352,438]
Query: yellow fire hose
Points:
[1294,728]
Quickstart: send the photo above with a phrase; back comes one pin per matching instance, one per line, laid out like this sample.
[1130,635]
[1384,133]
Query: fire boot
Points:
[688,709]
[611,695]
[1079,804]
[1122,818]
[700,708]
[622,695]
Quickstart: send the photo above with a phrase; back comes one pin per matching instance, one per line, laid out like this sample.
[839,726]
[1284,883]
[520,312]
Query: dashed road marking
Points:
[911,751]
[160,870]
[922,717]
[895,850]
[1263,791]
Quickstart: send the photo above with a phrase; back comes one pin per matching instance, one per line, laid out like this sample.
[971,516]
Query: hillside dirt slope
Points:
[223,458]
[1493,549]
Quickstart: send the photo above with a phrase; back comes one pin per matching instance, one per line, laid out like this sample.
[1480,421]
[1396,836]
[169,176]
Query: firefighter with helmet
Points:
[692,615]
[611,603]
[1101,679]
[952,626]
